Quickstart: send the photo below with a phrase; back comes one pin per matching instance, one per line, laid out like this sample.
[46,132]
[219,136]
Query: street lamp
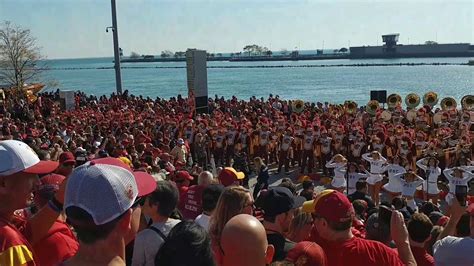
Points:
[118,75]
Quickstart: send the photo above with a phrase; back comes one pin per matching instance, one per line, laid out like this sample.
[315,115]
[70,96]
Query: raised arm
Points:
[448,173]
[331,164]
[367,157]
[421,164]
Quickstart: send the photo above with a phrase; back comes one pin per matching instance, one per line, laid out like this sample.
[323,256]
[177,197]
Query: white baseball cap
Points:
[17,156]
[106,188]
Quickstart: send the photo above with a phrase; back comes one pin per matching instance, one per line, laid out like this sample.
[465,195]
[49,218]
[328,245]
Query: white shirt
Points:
[454,181]
[452,250]
[203,220]
[409,188]
[148,242]
[432,172]
[376,166]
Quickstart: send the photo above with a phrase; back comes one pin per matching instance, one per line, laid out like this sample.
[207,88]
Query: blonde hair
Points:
[299,221]
[231,202]
[258,162]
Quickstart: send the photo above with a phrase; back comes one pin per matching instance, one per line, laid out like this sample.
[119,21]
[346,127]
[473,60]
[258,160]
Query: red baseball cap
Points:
[183,175]
[307,253]
[67,157]
[333,206]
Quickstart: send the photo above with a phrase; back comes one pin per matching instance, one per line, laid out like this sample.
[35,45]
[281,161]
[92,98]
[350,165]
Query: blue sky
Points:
[75,29]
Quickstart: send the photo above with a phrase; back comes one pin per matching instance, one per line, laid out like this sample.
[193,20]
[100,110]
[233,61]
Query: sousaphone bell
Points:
[372,107]
[448,103]
[393,101]
[430,99]
[412,100]
[467,103]
[298,106]
[350,107]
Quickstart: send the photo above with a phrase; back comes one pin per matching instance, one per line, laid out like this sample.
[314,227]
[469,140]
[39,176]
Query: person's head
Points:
[410,176]
[205,178]
[258,161]
[308,185]
[457,172]
[353,167]
[360,208]
[19,170]
[67,162]
[183,178]
[186,244]
[432,162]
[361,186]
[233,200]
[433,236]
[375,155]
[399,203]
[287,183]
[210,196]
[244,242]
[47,186]
[396,160]
[419,228]
[229,176]
[377,230]
[333,214]
[300,226]
[102,200]
[307,253]
[278,205]
[163,201]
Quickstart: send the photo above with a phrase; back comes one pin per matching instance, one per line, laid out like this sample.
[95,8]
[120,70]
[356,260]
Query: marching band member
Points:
[308,150]
[432,172]
[410,181]
[230,136]
[377,164]
[286,142]
[326,152]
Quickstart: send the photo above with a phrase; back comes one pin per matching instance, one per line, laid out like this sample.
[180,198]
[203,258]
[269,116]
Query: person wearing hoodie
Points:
[262,178]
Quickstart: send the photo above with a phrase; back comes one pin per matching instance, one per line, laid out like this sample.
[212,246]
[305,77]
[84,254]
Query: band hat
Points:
[17,156]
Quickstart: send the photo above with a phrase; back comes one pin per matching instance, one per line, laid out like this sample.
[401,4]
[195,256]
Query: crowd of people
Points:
[127,180]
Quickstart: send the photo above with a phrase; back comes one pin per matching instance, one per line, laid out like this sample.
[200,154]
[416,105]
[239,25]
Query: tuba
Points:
[372,107]
[467,102]
[430,99]
[448,103]
[298,106]
[350,107]
[412,100]
[394,100]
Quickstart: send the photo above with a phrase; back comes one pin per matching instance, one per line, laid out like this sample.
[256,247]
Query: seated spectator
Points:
[159,206]
[102,204]
[452,250]
[186,244]
[300,226]
[60,243]
[279,204]
[233,201]
[243,242]
[419,229]
[361,193]
[307,253]
[210,196]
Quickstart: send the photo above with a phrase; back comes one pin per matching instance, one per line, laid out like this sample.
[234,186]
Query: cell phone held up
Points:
[461,195]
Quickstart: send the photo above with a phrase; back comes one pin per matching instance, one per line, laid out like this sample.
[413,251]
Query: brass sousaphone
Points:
[430,99]
[372,107]
[467,103]
[412,100]
[393,101]
[448,103]
[298,106]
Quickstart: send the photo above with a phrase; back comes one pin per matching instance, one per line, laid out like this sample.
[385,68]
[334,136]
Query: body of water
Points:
[333,84]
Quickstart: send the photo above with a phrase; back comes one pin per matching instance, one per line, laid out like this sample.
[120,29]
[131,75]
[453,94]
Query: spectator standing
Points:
[419,229]
[210,196]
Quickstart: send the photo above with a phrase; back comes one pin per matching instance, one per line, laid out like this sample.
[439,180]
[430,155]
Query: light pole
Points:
[118,75]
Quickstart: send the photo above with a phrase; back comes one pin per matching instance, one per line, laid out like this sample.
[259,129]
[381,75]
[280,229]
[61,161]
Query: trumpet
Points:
[394,100]
[467,102]
[350,107]
[298,106]
[448,103]
[412,100]
[430,99]
[372,107]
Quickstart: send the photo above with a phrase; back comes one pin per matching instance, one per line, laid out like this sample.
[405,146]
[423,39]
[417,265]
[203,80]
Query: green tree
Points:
[134,55]
[343,50]
[166,54]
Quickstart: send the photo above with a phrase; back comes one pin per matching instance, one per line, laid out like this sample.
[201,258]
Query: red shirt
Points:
[360,252]
[59,245]
[191,205]
[422,257]
[14,246]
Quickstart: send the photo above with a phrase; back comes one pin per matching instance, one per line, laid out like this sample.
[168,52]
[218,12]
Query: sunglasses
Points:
[139,201]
